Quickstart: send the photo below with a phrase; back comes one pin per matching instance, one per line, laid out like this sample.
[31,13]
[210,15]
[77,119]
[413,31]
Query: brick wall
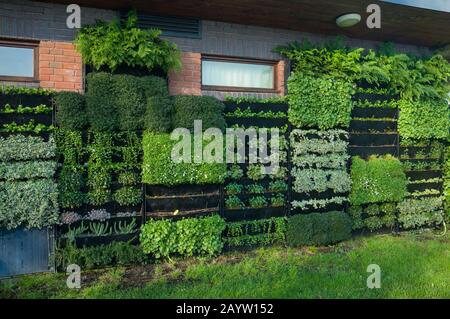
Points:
[60,66]
[188,79]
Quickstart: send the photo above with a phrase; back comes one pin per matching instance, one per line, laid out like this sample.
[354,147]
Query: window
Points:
[18,61]
[233,74]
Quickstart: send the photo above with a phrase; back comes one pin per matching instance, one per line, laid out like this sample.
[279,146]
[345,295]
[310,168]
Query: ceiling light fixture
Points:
[348,20]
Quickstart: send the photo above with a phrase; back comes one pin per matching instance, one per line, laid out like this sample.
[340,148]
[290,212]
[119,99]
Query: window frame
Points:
[27,45]
[222,58]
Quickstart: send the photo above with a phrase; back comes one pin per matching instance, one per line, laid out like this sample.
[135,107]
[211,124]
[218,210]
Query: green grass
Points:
[413,265]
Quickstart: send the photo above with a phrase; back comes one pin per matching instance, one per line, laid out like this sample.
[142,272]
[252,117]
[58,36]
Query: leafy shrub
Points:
[70,110]
[159,169]
[116,253]
[234,202]
[420,212]
[186,237]
[188,108]
[101,102]
[356,213]
[319,102]
[379,179]
[257,202]
[158,117]
[31,203]
[114,44]
[424,119]
[318,228]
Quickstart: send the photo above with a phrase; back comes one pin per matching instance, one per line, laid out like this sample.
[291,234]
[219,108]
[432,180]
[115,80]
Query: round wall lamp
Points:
[348,20]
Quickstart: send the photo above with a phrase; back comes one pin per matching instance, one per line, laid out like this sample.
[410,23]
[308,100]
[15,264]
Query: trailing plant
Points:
[318,228]
[248,113]
[307,180]
[256,100]
[319,142]
[420,212]
[23,90]
[389,104]
[27,170]
[31,203]
[186,237]
[425,192]
[114,44]
[30,126]
[20,109]
[379,179]
[318,203]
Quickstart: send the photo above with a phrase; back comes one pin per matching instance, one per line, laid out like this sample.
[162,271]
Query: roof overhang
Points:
[399,23]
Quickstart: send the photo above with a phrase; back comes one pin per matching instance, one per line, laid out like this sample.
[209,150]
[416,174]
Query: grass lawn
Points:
[413,265]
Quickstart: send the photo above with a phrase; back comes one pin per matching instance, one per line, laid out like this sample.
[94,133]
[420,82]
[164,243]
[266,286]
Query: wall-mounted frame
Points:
[29,48]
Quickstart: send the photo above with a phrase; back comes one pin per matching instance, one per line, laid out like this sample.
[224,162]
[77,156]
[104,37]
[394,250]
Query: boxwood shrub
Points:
[379,179]
[159,169]
[158,116]
[321,102]
[318,228]
[120,102]
[188,108]
[70,110]
[185,237]
[101,102]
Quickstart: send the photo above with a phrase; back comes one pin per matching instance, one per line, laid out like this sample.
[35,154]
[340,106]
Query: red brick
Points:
[64,86]
[62,58]
[60,66]
[61,71]
[47,84]
[46,71]
[57,51]
[46,57]
[64,45]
